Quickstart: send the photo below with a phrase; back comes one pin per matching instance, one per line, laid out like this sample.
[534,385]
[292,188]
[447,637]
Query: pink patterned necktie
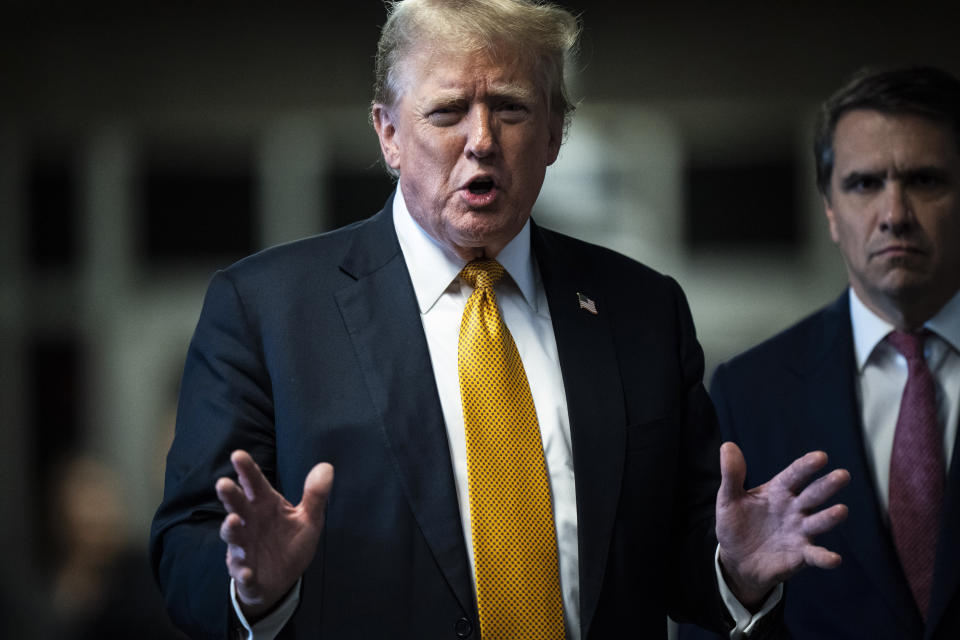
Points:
[917,471]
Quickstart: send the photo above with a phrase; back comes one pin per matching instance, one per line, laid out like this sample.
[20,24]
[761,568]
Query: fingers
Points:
[822,558]
[316,490]
[823,521]
[249,476]
[822,488]
[232,530]
[236,534]
[800,471]
[733,473]
[238,568]
[244,576]
[231,495]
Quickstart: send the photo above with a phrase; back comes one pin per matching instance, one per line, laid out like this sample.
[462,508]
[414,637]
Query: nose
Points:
[897,216]
[481,133]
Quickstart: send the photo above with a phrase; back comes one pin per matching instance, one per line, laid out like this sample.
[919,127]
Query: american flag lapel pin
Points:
[587,303]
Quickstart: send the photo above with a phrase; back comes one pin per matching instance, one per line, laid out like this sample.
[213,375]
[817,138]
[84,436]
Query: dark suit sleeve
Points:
[225,404]
[693,584]
[690,631]
[719,396]
[772,624]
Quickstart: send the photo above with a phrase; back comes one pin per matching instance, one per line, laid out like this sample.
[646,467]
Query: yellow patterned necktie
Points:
[511,516]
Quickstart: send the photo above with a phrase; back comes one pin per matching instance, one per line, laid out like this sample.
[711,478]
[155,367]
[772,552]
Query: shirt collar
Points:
[946,323]
[869,328]
[433,267]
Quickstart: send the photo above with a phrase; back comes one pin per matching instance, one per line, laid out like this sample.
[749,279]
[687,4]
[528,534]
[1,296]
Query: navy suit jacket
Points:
[314,351]
[796,393]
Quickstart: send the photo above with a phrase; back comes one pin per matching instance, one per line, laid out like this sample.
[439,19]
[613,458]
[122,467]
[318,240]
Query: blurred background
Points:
[144,145]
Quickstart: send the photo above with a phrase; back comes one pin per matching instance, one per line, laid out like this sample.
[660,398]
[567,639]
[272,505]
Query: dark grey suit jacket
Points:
[315,351]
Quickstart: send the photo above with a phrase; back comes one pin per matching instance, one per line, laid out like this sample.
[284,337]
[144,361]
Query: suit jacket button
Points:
[463,628]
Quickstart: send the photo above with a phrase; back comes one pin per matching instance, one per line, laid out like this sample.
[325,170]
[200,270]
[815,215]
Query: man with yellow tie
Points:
[522,442]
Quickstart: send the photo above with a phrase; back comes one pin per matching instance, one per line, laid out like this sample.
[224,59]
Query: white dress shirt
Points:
[442,296]
[882,375]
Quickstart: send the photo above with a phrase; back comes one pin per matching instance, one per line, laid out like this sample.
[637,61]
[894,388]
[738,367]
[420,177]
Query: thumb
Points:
[733,473]
[316,490]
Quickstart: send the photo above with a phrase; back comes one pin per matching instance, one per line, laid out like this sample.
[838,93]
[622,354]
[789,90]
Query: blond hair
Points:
[537,32]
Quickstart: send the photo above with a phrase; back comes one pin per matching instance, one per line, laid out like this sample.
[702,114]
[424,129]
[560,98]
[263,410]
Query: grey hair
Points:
[540,32]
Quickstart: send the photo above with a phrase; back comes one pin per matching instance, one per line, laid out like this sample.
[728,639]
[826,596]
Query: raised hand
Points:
[270,542]
[766,534]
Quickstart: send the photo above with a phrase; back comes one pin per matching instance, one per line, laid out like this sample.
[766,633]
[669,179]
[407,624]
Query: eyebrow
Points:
[507,91]
[925,170]
[513,92]
[854,177]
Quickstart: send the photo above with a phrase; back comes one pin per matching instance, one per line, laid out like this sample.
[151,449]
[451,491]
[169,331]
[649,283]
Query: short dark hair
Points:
[924,91]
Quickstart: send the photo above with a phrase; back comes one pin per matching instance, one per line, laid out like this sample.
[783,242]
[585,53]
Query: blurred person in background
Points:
[874,377]
[101,585]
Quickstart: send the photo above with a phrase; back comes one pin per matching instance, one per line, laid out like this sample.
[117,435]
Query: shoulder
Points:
[592,256]
[313,264]
[611,270]
[801,345]
[286,280]
[320,251]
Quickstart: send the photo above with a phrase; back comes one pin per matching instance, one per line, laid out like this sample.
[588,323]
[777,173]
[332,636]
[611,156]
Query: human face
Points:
[894,211]
[472,139]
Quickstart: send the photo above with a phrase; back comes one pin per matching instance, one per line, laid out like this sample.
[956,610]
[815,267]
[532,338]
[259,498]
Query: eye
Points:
[513,111]
[925,180]
[444,116]
[863,183]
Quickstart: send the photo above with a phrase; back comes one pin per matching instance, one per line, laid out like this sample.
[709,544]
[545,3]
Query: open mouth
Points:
[480,186]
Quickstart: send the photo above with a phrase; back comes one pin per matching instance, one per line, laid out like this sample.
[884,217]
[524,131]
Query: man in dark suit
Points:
[888,166]
[356,348]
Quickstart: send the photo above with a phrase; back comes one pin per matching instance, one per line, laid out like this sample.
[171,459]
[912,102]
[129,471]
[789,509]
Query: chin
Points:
[483,229]
[907,284]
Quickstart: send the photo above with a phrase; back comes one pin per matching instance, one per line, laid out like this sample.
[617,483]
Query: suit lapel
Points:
[595,408]
[382,318]
[828,371]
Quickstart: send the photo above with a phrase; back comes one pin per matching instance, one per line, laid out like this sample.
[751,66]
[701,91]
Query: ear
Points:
[386,128]
[831,219]
[556,137]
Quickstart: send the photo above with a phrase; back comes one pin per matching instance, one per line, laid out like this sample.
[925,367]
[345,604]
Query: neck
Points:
[478,253]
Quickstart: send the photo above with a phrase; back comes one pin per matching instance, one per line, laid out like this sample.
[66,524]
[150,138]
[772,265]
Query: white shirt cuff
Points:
[744,620]
[269,626]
